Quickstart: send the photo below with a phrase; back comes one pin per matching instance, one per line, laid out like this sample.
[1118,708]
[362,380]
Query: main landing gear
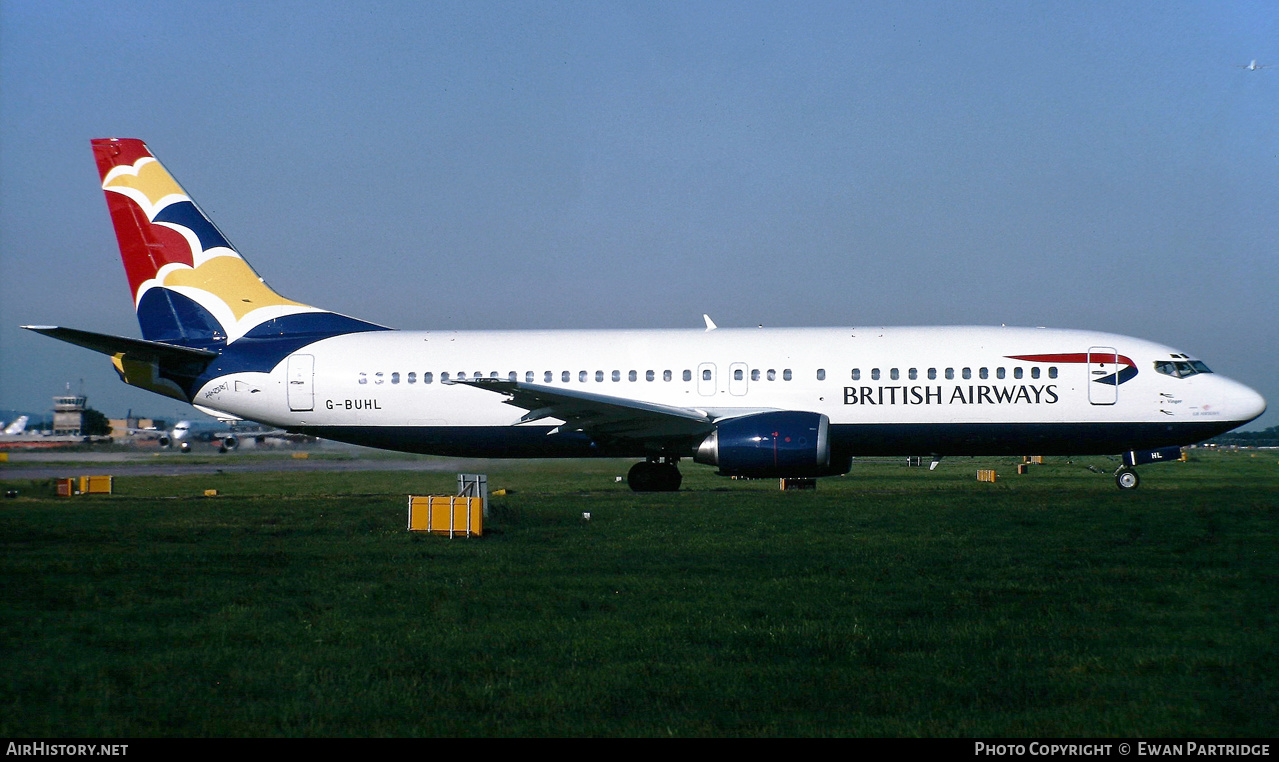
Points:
[655,476]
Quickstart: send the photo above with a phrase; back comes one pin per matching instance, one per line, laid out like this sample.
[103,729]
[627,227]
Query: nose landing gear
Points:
[1127,478]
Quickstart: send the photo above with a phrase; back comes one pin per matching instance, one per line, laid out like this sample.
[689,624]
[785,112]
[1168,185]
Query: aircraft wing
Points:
[599,414]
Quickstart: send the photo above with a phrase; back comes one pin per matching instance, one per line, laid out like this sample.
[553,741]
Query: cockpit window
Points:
[1180,368]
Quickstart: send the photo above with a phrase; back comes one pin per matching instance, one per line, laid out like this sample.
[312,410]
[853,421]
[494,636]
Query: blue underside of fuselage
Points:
[886,439]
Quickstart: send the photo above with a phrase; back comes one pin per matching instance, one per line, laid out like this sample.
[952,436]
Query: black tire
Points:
[1126,478]
[647,476]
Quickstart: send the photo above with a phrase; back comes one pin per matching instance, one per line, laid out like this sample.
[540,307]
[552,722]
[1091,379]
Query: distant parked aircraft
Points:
[18,426]
[184,435]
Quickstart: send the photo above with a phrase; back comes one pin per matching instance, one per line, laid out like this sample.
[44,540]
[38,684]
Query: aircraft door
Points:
[301,374]
[706,379]
[737,378]
[1103,376]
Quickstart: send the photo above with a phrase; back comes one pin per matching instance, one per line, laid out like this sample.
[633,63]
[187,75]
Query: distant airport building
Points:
[68,414]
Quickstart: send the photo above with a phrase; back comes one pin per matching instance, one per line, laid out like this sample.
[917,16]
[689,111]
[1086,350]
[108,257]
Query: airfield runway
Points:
[52,465]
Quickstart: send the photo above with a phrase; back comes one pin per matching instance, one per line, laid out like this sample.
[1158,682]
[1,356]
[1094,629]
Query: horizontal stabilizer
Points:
[136,349]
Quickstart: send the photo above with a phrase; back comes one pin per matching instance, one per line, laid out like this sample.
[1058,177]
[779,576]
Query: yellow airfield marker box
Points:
[450,515]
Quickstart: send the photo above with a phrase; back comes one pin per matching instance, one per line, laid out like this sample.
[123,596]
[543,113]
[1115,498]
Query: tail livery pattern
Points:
[190,286]
[204,312]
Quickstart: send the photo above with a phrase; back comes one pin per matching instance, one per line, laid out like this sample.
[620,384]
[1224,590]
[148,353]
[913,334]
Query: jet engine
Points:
[785,443]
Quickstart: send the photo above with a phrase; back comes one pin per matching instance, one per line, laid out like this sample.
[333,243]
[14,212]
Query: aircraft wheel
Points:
[670,477]
[641,477]
[1127,478]
[648,476]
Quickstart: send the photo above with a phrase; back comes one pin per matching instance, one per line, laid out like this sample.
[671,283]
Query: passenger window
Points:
[412,379]
[821,374]
[983,373]
[666,375]
[617,375]
[427,377]
[1034,372]
[633,376]
[1016,372]
[444,376]
[548,377]
[786,375]
[932,374]
[566,376]
[950,374]
[599,376]
[999,372]
[581,376]
[649,375]
[706,374]
[772,375]
[395,377]
[688,375]
[377,377]
[874,374]
[1052,372]
[968,373]
[739,375]
[913,374]
[364,378]
[857,374]
[528,376]
[493,374]
[894,375]
[754,374]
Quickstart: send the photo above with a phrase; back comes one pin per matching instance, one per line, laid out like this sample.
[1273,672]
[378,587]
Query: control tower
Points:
[68,414]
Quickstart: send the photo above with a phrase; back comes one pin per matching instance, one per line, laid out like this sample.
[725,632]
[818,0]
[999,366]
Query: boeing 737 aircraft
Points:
[754,402]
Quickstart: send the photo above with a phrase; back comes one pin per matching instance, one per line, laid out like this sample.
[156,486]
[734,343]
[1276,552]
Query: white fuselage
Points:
[859,377]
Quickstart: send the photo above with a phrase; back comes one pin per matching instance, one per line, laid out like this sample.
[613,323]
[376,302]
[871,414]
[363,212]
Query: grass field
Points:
[891,602]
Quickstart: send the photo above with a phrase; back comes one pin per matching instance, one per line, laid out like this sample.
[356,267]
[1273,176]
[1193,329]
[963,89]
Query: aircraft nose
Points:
[1248,405]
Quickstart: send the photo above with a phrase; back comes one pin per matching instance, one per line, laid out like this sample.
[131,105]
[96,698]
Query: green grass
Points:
[891,602]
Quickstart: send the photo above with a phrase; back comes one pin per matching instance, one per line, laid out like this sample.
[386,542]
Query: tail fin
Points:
[190,286]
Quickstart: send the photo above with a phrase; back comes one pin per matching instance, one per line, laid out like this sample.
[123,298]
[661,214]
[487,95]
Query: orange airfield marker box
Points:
[450,515]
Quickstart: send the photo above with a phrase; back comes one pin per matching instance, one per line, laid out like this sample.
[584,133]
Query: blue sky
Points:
[494,165]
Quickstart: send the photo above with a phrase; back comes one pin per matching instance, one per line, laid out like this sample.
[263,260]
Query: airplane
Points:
[184,435]
[1254,66]
[17,426]
[754,402]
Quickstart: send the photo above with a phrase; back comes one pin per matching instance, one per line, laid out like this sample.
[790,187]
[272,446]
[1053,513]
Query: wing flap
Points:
[599,414]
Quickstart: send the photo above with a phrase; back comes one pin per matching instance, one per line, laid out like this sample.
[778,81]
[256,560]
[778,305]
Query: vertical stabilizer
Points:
[190,286]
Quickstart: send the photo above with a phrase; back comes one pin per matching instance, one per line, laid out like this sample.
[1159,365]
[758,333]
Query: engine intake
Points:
[785,443]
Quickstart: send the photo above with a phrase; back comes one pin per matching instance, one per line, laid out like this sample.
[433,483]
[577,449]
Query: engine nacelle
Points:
[785,443]
[229,442]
